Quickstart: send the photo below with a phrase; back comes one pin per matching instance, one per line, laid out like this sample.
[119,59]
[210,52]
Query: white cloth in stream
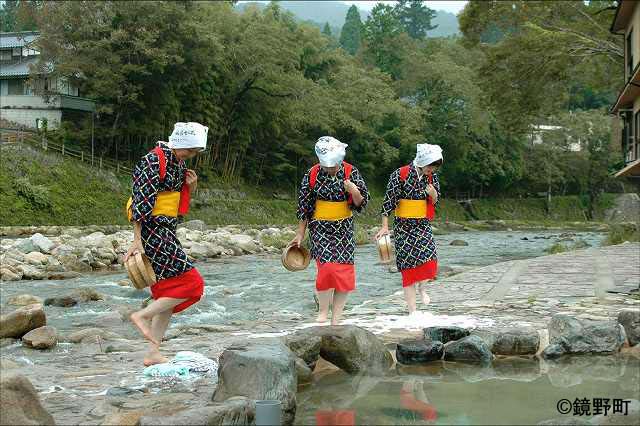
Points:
[182,364]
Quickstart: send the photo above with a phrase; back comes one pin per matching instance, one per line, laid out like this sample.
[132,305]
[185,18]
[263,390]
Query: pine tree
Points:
[326,30]
[415,17]
[351,35]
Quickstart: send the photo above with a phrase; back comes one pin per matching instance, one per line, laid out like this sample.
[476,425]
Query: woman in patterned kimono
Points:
[412,194]
[161,187]
[329,192]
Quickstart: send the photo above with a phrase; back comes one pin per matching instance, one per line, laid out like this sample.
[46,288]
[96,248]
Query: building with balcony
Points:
[22,99]
[627,107]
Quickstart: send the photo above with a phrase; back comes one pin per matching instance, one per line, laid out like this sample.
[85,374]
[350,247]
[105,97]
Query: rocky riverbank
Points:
[69,252]
[58,252]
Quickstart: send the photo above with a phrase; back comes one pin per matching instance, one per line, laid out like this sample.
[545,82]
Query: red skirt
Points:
[338,276]
[335,418]
[408,401]
[189,285]
[426,271]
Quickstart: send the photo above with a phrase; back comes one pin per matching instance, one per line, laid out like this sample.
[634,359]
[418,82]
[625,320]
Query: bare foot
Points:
[154,358]
[335,322]
[321,318]
[143,326]
[425,297]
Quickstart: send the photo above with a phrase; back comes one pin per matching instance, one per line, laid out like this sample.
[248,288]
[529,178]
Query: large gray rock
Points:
[36,258]
[30,272]
[25,246]
[354,350]
[45,337]
[304,373]
[259,371]
[630,320]
[20,404]
[512,341]
[19,322]
[444,334]
[468,349]
[582,337]
[42,243]
[306,345]
[418,351]
[234,411]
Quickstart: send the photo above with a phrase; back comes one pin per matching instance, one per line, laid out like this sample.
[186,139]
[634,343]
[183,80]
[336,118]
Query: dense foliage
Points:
[268,86]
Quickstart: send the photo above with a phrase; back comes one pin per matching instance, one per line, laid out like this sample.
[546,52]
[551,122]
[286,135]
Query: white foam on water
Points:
[416,321]
[257,335]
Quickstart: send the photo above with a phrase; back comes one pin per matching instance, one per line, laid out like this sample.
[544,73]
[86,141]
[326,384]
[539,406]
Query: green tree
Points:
[351,34]
[383,35]
[544,56]
[326,30]
[415,17]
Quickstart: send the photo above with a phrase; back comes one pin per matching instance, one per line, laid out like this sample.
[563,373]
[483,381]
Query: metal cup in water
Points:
[268,413]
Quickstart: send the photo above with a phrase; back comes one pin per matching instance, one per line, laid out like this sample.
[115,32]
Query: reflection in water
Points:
[513,390]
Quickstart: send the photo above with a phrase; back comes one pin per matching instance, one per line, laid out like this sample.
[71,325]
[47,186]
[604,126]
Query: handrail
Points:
[13,136]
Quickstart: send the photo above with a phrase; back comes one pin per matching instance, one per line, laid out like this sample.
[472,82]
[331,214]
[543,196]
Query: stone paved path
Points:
[529,292]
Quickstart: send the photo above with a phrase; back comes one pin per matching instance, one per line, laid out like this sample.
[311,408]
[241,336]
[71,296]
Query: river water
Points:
[254,295]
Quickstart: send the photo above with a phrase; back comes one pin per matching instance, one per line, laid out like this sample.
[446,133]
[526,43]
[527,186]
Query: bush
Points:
[620,233]
[36,195]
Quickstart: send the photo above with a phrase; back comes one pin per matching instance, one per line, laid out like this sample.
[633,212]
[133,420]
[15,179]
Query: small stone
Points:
[41,338]
[23,300]
[61,302]
[458,243]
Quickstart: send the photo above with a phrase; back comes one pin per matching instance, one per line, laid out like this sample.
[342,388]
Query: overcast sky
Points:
[447,5]
[453,6]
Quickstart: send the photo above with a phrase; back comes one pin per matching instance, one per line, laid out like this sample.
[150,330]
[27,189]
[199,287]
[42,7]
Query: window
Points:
[16,87]
[5,55]
[629,54]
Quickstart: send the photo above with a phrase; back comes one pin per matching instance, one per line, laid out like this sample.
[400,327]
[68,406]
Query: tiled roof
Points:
[18,69]
[18,39]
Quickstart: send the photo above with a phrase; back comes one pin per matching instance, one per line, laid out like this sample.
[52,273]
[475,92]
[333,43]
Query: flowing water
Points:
[256,289]
[254,295]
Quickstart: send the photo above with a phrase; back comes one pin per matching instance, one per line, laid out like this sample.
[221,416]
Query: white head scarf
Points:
[330,151]
[188,135]
[427,154]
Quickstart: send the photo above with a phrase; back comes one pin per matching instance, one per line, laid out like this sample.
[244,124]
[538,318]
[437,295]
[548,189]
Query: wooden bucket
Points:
[295,258]
[385,249]
[140,271]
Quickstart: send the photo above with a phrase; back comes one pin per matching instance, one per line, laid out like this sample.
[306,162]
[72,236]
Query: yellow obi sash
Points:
[411,209]
[331,210]
[167,203]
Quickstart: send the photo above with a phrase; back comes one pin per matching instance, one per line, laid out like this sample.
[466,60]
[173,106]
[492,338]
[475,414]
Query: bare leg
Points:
[142,318]
[324,298]
[159,325]
[423,292]
[339,300]
[410,298]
